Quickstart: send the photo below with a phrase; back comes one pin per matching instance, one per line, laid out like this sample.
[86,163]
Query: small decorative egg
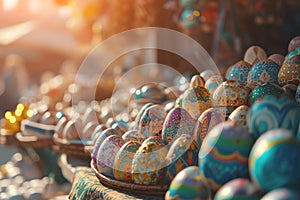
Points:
[297,97]
[107,153]
[290,90]
[178,122]
[207,120]
[265,71]
[273,161]
[239,189]
[120,126]
[132,135]
[271,113]
[140,113]
[278,58]
[260,91]
[282,194]
[206,74]
[239,115]
[149,93]
[70,131]
[88,130]
[224,154]
[290,71]
[182,153]
[254,54]
[123,161]
[294,43]
[188,185]
[212,83]
[60,126]
[196,81]
[196,100]
[239,72]
[151,122]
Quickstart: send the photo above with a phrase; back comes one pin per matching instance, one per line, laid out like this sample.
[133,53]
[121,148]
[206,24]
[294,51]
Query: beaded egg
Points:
[196,81]
[290,71]
[265,89]
[224,154]
[271,113]
[239,189]
[278,58]
[294,43]
[297,96]
[239,115]
[196,100]
[282,194]
[239,72]
[212,83]
[188,185]
[273,161]
[254,54]
[178,122]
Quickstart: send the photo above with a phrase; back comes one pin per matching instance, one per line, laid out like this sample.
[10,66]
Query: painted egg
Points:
[254,54]
[212,83]
[272,113]
[239,115]
[290,90]
[149,93]
[132,135]
[187,3]
[290,71]
[70,131]
[120,126]
[196,81]
[297,97]
[140,113]
[188,185]
[278,58]
[182,153]
[178,122]
[292,54]
[206,74]
[154,139]
[239,72]
[230,94]
[196,101]
[107,153]
[273,161]
[60,126]
[282,194]
[260,91]
[224,154]
[294,43]
[207,120]
[265,71]
[151,122]
[123,161]
[88,130]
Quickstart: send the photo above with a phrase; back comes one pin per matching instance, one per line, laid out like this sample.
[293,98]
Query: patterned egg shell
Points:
[239,72]
[294,43]
[208,119]
[290,71]
[178,122]
[212,83]
[151,122]
[224,154]
[260,91]
[271,113]
[277,146]
[282,194]
[123,161]
[265,71]
[120,126]
[206,74]
[291,54]
[182,153]
[196,81]
[239,115]
[297,97]
[254,54]
[107,153]
[278,58]
[239,188]
[132,135]
[149,93]
[140,113]
[155,139]
[188,185]
[196,100]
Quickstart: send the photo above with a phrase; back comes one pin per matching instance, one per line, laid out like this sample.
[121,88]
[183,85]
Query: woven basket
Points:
[33,141]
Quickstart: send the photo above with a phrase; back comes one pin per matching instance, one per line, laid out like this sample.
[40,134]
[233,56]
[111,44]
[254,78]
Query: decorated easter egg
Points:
[273,161]
[254,54]
[239,72]
[132,135]
[239,116]
[282,194]
[272,113]
[60,126]
[88,130]
[230,95]
[107,153]
[212,83]
[151,122]
[224,154]
[182,153]
[188,185]
[140,113]
[178,122]
[196,100]
[149,93]
[294,43]
[206,74]
[290,71]
[290,90]
[260,91]
[154,139]
[120,126]
[265,71]
[207,120]
[123,161]
[278,58]
[297,97]
[292,54]
[196,81]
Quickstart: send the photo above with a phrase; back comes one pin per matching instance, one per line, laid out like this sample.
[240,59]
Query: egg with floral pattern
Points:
[239,115]
[289,73]
[212,83]
[239,72]
[260,91]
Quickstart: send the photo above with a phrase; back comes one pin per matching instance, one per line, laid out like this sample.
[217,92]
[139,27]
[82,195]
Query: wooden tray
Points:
[33,141]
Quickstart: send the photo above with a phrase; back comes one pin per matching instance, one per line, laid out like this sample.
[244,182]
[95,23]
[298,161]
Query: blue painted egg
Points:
[254,54]
[272,113]
[274,160]
[260,91]
[297,97]
[239,72]
[212,83]
[292,54]
[282,194]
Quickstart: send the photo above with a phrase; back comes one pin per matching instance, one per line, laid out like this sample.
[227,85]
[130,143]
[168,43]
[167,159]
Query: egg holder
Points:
[136,189]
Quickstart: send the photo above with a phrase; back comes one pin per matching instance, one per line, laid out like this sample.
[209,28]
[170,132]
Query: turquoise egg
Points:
[282,194]
[239,72]
[260,91]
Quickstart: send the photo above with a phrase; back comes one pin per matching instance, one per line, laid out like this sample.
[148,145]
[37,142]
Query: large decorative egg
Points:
[239,116]
[294,43]
[151,122]
[278,58]
[123,161]
[274,160]
[208,119]
[140,113]
[260,91]
[290,71]
[188,185]
[212,83]
[265,71]
[282,194]
[272,113]
[196,81]
[224,154]
[239,189]
[254,54]
[182,153]
[239,72]
[196,100]
[107,153]
[178,122]
[297,97]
